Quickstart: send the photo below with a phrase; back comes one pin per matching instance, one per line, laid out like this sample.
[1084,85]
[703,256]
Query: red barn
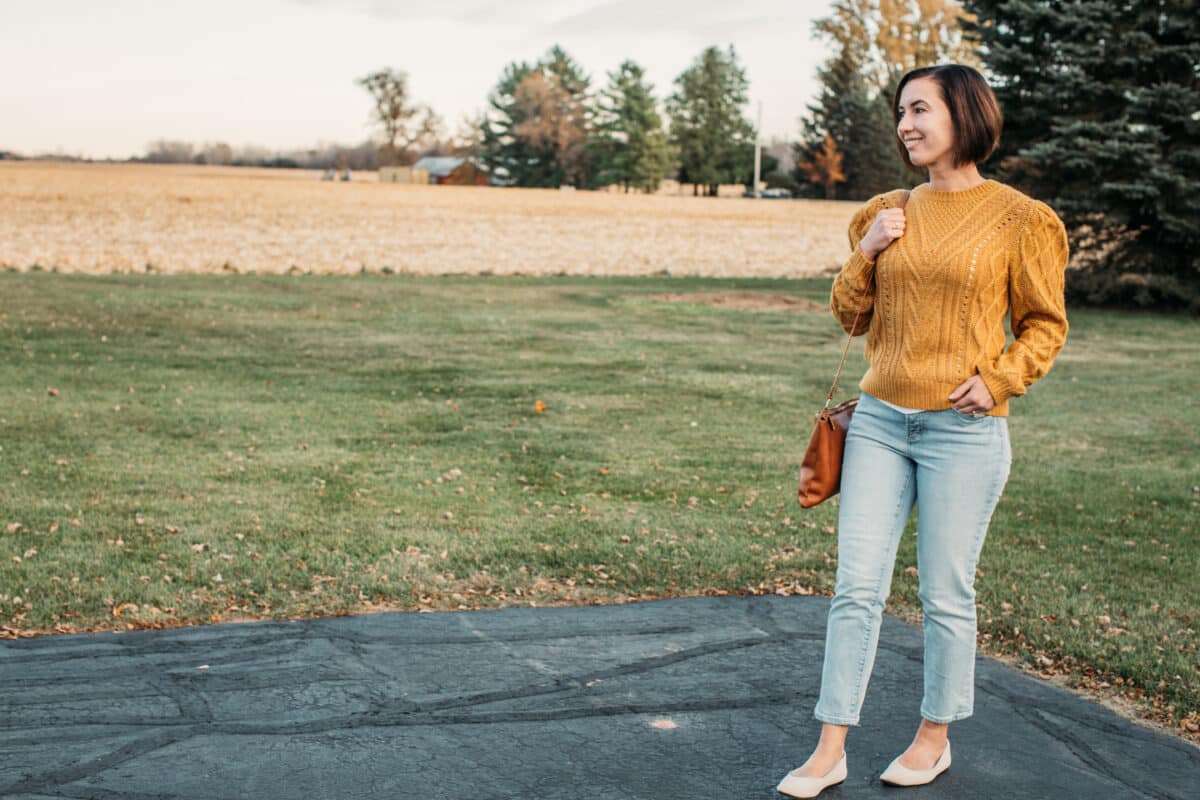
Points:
[453,170]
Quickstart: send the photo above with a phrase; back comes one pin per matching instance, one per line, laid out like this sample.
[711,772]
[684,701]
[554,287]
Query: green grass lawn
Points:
[184,449]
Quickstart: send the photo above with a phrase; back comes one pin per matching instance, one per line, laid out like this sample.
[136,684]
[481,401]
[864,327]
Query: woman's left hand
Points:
[972,397]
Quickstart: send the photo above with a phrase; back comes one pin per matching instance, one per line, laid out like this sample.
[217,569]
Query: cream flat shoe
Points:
[900,775]
[799,786]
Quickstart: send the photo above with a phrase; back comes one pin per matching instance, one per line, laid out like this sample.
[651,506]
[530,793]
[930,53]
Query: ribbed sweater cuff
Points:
[999,384]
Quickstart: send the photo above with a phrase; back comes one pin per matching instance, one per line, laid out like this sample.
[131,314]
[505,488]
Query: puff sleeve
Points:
[1037,274]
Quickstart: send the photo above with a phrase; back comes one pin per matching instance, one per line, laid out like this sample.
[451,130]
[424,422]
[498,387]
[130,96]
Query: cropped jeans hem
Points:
[848,721]
[946,720]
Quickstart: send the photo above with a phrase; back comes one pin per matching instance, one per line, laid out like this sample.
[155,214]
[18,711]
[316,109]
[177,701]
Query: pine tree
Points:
[1102,121]
[537,123]
[707,123]
[508,157]
[629,145]
[860,123]
[874,43]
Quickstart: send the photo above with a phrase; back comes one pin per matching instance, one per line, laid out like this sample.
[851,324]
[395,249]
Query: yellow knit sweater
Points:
[934,301]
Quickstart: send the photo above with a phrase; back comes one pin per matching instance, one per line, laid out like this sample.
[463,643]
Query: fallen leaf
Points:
[119,610]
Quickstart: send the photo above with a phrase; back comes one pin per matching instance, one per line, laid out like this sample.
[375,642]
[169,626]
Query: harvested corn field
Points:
[160,218]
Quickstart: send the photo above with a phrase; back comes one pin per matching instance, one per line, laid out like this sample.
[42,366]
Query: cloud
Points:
[479,12]
[698,19]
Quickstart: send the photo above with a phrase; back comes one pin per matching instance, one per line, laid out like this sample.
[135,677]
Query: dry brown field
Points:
[160,218]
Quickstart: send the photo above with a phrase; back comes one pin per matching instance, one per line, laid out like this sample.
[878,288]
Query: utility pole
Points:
[758,152]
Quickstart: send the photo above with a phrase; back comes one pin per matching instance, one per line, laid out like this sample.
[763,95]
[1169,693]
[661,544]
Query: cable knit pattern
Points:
[934,301]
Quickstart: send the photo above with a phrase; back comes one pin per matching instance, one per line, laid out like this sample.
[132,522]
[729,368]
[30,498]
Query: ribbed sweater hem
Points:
[904,391]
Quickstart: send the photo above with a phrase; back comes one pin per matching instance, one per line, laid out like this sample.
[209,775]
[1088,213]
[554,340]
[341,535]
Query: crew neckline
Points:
[973,193]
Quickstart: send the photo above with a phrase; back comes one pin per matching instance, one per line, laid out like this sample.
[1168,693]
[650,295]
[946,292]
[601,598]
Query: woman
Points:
[932,282]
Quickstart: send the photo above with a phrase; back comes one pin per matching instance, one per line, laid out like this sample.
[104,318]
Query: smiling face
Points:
[925,126]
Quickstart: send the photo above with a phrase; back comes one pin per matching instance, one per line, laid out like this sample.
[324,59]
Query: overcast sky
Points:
[102,78]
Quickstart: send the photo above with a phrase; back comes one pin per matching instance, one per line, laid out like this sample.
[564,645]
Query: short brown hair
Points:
[974,111]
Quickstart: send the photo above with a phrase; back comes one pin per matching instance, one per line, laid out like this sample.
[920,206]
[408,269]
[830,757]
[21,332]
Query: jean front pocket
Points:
[972,419]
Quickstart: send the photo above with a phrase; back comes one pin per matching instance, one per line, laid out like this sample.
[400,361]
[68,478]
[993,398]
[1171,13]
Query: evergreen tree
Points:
[1102,121]
[629,146]
[874,43]
[508,157]
[572,76]
[707,123]
[537,123]
[859,120]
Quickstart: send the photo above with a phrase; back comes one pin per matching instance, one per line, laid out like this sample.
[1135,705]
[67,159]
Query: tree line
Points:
[1101,104]
[363,156]
[545,125]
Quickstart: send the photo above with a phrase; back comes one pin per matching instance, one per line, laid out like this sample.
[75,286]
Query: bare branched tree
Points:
[406,126]
[468,141]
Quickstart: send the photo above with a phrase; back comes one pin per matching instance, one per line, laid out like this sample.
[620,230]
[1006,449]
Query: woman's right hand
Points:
[887,228]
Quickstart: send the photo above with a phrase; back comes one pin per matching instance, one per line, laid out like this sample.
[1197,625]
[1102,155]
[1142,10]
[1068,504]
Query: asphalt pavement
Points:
[701,697]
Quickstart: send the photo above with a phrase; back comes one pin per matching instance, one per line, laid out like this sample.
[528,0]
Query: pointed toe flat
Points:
[899,775]
[801,786]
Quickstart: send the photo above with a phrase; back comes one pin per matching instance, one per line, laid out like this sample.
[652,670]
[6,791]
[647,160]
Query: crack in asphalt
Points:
[281,670]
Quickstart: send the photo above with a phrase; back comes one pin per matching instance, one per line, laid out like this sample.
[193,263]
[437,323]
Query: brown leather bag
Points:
[821,469]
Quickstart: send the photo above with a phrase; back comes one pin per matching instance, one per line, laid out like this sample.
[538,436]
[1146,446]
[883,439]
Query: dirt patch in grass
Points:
[747,301]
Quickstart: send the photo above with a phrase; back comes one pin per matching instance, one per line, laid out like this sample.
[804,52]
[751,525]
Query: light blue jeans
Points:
[954,467]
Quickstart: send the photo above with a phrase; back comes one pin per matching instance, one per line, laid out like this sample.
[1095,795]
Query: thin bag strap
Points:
[850,337]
